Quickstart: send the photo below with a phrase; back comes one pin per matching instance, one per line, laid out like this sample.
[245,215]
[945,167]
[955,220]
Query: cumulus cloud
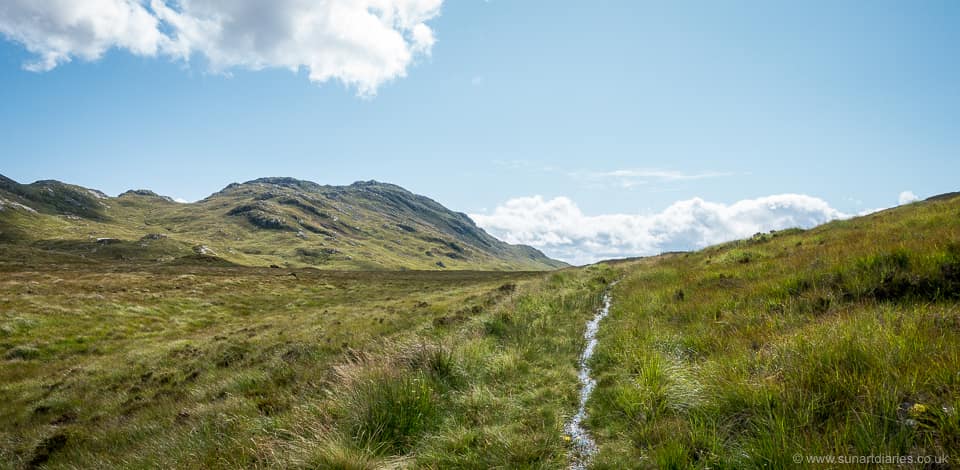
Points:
[361,43]
[559,228]
[58,30]
[907,197]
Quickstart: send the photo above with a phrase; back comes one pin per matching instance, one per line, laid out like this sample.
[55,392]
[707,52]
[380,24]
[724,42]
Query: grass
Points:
[842,340]
[225,367]
[190,367]
[473,396]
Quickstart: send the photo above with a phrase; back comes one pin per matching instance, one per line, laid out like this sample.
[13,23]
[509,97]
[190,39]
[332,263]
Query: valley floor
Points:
[206,367]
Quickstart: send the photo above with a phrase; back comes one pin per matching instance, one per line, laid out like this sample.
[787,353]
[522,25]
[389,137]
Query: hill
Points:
[268,221]
[833,342]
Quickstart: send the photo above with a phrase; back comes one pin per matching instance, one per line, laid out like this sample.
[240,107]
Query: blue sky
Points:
[620,107]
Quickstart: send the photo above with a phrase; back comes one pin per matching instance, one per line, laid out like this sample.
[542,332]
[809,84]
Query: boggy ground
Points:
[226,367]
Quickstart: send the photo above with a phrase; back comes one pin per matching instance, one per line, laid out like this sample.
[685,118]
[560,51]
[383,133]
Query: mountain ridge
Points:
[265,221]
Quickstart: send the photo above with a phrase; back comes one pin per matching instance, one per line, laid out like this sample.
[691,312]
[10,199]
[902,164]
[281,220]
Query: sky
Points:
[587,129]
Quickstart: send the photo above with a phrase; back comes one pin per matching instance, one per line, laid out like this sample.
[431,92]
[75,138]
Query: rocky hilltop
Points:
[264,222]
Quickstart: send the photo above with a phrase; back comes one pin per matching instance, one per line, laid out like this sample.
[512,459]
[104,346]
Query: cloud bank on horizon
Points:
[561,230]
[361,43]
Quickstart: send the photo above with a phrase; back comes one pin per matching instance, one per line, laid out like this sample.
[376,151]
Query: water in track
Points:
[583,445]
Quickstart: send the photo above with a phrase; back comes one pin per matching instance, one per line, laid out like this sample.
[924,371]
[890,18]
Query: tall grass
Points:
[841,340]
[228,368]
[388,413]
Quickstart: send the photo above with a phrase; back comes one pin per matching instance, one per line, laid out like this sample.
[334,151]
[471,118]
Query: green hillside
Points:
[835,341]
[269,221]
[843,340]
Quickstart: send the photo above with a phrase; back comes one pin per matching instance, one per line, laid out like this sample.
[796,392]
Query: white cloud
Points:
[58,30]
[634,177]
[181,200]
[664,175]
[362,43]
[562,230]
[907,197]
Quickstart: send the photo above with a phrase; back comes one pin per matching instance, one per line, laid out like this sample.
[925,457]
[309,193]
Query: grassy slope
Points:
[280,221]
[841,340]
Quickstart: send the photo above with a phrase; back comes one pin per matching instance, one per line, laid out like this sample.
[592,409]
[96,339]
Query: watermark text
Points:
[874,459]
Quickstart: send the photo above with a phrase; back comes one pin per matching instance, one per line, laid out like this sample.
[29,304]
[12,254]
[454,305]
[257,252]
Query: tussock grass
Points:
[479,397]
[219,367]
[388,412]
[841,340]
